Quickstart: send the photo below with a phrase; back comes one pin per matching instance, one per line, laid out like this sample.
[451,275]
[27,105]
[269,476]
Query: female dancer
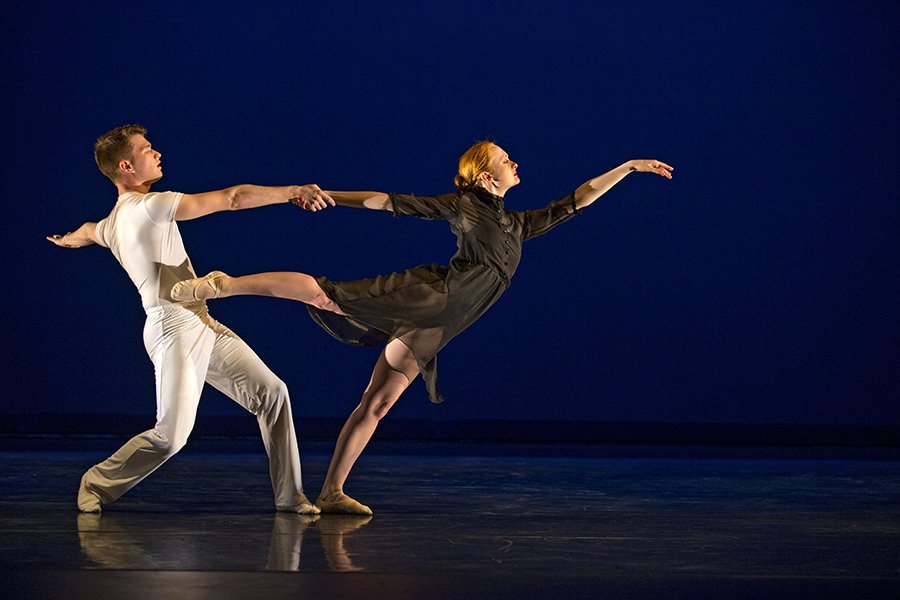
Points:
[417,311]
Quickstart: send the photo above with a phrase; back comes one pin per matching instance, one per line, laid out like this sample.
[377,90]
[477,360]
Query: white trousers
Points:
[188,347]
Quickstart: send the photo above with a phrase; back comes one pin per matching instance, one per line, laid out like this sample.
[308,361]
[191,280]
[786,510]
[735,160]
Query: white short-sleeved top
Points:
[143,235]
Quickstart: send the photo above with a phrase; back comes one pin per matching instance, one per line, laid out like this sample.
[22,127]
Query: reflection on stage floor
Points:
[584,525]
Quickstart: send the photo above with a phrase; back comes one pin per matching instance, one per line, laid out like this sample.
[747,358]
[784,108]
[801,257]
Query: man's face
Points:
[145,161]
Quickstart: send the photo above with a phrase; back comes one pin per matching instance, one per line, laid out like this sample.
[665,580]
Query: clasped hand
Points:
[312,198]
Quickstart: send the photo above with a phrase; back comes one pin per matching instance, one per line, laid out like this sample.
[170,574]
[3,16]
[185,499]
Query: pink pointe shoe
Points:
[186,291]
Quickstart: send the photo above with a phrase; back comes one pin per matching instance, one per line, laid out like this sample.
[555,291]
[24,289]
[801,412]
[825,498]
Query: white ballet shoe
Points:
[303,507]
[88,501]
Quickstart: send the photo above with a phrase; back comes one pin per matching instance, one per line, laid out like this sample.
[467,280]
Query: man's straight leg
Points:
[236,371]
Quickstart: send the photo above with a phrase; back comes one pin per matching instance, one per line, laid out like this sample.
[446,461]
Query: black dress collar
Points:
[492,200]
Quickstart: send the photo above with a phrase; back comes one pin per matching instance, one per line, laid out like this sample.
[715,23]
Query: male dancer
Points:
[185,344]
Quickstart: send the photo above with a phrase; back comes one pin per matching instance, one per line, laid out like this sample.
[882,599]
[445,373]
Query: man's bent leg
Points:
[109,480]
[179,344]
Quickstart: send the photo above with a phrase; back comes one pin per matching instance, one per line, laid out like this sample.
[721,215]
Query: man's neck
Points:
[141,188]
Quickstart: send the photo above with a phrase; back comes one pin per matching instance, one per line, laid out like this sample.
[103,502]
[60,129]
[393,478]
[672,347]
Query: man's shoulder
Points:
[131,196]
[152,202]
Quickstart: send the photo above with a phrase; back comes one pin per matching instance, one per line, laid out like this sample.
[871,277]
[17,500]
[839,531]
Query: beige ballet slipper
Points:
[339,503]
[186,291]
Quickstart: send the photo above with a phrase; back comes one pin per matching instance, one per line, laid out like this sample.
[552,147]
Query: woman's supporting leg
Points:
[395,369]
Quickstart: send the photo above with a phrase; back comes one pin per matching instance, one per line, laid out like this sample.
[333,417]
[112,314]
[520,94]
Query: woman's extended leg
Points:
[395,369]
[281,284]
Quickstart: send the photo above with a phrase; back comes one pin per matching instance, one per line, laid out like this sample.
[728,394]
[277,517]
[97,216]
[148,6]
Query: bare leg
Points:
[395,369]
[282,284]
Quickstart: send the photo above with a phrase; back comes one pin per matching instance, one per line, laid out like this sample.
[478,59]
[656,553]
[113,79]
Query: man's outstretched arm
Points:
[83,236]
[239,197]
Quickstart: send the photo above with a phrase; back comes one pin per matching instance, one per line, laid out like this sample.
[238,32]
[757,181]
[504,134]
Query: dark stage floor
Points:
[618,523]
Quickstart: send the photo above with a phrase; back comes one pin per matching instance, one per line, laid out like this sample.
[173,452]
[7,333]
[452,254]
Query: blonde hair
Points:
[473,163]
[114,146]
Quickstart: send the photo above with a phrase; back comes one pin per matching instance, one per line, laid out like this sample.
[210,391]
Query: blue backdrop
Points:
[761,285]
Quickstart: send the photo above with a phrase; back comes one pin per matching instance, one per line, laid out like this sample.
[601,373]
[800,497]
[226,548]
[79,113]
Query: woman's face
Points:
[502,173]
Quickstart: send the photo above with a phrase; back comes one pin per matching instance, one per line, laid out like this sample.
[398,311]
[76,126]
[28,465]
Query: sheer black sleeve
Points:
[443,206]
[541,220]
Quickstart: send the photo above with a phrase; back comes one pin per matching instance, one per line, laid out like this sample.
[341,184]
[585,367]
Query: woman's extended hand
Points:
[651,166]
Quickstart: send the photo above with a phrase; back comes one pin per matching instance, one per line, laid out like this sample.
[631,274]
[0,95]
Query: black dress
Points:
[427,306]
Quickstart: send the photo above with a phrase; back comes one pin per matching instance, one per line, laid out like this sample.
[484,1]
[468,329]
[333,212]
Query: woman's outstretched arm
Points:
[373,200]
[592,189]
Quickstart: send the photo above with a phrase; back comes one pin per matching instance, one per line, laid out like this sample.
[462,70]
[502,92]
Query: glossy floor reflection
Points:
[461,526]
